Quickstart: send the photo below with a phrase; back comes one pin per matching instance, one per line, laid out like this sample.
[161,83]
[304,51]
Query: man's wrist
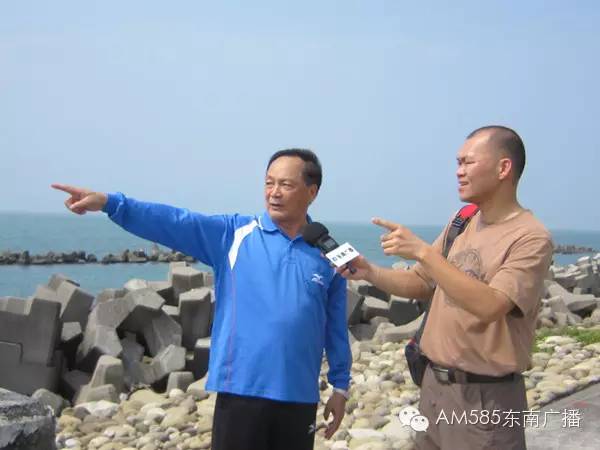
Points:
[423,253]
[372,274]
[110,205]
[344,392]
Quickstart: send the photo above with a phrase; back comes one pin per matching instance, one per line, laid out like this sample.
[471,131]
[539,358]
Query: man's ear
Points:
[313,191]
[505,167]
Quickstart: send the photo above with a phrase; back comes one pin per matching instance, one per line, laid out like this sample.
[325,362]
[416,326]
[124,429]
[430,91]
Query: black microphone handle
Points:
[350,268]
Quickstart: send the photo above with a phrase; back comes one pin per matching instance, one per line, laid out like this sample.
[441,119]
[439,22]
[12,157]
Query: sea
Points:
[95,233]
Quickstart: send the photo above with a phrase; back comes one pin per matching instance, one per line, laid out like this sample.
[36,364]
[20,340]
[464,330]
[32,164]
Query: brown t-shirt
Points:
[512,257]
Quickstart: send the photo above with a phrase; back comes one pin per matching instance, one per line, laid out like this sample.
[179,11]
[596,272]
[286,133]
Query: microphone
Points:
[317,235]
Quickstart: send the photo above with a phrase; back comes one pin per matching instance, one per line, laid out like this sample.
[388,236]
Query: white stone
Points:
[359,379]
[144,409]
[101,408]
[559,340]
[99,441]
[396,431]
[366,433]
[176,393]
[118,431]
[593,347]
[175,416]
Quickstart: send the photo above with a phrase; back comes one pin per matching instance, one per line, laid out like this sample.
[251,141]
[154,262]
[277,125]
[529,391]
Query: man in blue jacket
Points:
[278,305]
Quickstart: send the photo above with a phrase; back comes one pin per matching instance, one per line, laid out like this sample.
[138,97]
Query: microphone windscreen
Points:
[311,232]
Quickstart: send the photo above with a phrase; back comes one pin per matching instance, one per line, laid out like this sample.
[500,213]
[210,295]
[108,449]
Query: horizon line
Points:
[337,221]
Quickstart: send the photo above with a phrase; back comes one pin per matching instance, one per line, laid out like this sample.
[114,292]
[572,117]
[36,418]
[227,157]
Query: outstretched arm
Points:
[198,235]
[403,283]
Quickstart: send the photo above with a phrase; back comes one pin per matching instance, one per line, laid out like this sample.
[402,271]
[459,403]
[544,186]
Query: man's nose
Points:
[276,191]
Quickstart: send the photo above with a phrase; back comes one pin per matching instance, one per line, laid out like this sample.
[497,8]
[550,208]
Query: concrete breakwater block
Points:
[139,311]
[581,304]
[397,333]
[160,332]
[28,343]
[195,313]
[25,423]
[37,330]
[368,290]
[110,294]
[580,278]
[106,383]
[98,340]
[72,382]
[184,278]
[156,371]
[198,362]
[70,339]
[354,303]
[75,302]
[403,310]
[374,307]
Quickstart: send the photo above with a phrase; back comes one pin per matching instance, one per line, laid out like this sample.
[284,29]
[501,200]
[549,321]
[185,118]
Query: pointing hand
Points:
[82,200]
[399,240]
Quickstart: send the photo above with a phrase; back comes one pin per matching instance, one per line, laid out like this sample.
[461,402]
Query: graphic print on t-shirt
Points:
[469,262]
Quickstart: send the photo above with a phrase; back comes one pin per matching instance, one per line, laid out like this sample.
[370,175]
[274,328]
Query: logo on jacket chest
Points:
[317,278]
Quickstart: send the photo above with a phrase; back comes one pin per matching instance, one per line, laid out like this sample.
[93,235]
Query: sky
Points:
[184,102]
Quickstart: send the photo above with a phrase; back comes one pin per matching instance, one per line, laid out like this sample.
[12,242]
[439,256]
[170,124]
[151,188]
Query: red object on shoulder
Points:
[468,211]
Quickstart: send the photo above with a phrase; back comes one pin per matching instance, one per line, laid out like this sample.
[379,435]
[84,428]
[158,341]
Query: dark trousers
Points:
[494,411]
[253,423]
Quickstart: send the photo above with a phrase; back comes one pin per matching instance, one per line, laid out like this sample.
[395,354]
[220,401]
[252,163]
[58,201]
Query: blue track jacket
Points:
[278,302]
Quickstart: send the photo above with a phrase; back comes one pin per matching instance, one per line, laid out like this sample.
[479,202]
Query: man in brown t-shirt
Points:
[484,300]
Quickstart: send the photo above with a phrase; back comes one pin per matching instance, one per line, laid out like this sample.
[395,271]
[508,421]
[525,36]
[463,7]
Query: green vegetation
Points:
[584,335]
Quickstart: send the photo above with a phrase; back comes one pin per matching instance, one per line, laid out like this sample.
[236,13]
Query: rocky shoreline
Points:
[381,388]
[25,258]
[573,249]
[128,386]
[140,256]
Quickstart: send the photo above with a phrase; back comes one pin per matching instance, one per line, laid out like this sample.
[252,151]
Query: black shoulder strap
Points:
[459,223]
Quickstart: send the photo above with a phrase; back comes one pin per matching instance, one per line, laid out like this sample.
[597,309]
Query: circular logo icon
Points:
[406,415]
[419,423]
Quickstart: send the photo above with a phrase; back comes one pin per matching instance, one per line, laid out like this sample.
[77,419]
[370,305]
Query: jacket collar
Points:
[266,223]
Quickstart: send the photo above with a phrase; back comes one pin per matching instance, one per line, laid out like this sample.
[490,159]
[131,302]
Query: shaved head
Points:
[507,143]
